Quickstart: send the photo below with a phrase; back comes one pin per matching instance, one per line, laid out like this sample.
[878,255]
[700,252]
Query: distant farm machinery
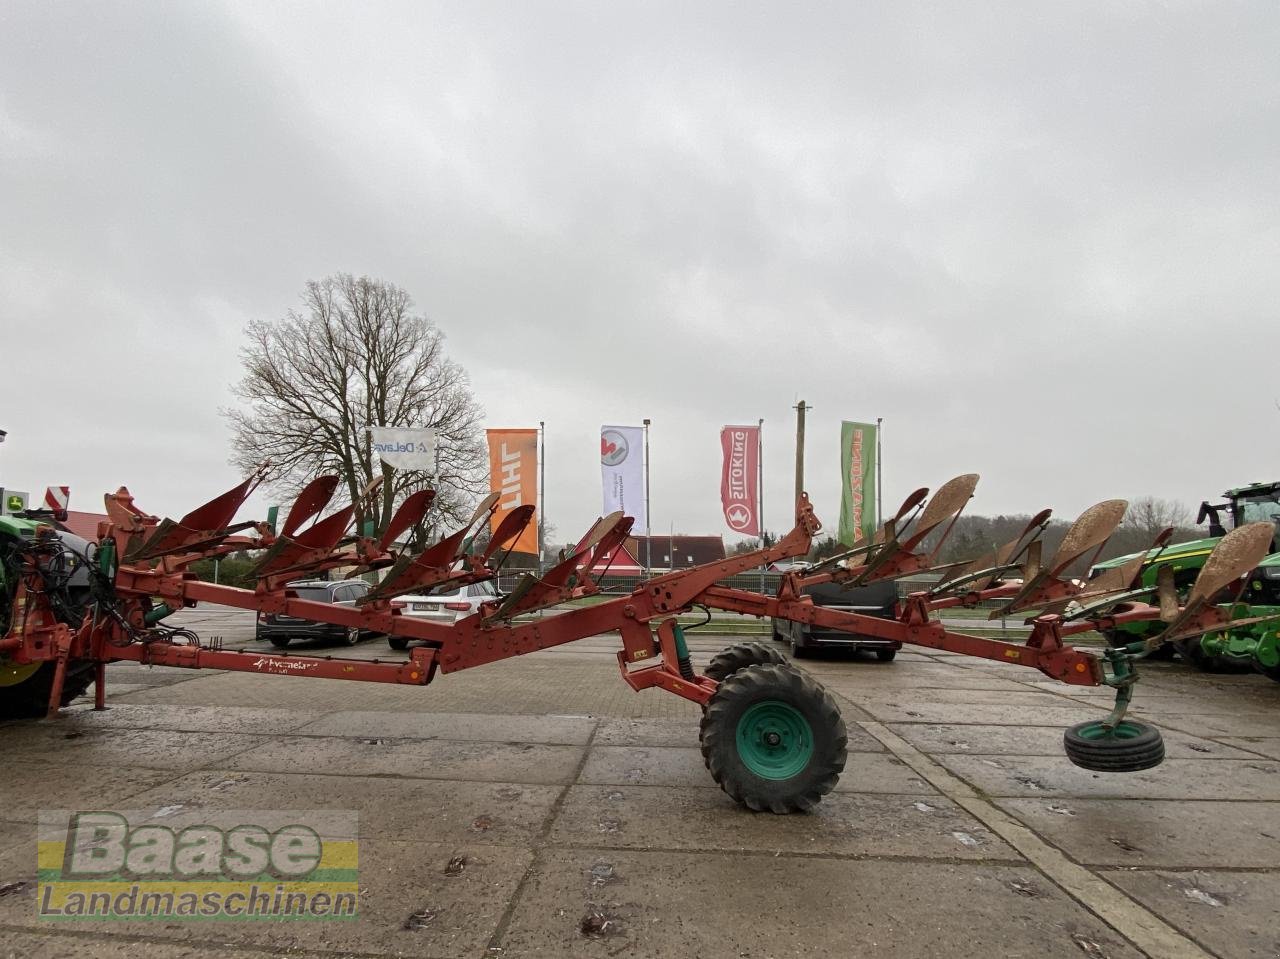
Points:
[771,736]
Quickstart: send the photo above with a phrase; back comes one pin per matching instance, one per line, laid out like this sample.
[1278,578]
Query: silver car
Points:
[446,604]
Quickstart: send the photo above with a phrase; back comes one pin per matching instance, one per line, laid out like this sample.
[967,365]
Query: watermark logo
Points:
[225,865]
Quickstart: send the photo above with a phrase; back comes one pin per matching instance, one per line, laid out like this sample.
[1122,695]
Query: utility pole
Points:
[801,408]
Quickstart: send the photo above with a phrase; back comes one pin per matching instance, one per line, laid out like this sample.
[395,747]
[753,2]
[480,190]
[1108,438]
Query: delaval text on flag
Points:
[739,492]
[622,471]
[405,448]
[857,481]
[513,475]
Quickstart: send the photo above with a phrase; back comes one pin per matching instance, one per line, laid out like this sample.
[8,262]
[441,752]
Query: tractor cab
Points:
[1255,503]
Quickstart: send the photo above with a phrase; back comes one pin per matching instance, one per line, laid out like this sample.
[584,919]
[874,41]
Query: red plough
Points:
[772,736]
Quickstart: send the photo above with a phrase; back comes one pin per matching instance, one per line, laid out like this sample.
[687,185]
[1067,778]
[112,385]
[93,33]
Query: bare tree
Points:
[355,356]
[1149,515]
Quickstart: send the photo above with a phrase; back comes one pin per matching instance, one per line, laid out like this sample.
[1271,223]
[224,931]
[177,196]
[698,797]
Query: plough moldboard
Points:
[772,737]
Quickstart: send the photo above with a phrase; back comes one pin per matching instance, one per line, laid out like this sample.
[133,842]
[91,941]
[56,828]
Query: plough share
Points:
[772,737]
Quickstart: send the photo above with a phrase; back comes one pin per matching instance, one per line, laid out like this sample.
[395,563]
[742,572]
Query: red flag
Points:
[738,487]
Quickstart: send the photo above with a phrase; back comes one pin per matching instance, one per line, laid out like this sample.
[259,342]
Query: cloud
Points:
[1038,239]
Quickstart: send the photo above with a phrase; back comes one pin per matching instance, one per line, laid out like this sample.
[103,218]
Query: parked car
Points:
[280,630]
[444,604]
[874,599]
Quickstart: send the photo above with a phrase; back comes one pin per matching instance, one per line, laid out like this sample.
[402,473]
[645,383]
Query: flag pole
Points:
[542,491]
[648,519]
[760,489]
[879,474]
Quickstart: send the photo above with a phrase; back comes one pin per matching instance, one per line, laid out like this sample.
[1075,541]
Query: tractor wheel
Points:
[1129,747]
[1193,653]
[1271,672]
[398,642]
[728,661]
[24,690]
[773,739]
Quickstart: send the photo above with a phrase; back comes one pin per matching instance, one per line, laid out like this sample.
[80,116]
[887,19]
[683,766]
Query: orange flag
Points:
[513,475]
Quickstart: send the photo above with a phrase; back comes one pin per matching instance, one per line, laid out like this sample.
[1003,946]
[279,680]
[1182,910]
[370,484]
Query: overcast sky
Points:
[1042,240]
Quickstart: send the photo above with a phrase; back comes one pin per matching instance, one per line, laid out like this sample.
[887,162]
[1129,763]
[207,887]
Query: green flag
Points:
[857,481]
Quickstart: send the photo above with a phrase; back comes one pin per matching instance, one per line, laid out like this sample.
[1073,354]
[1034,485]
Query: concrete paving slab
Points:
[415,759]
[673,766]
[922,711]
[915,677]
[1175,834]
[1262,746]
[646,732]
[142,748]
[1032,776]
[543,684]
[969,697]
[470,727]
[102,943]
[1239,724]
[675,905]
[220,719]
[1040,741]
[458,915]
[420,809]
[29,786]
[660,732]
[1232,913]
[843,824]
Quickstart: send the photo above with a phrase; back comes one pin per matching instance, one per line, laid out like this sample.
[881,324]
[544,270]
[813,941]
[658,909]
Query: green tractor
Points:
[1253,645]
[25,687]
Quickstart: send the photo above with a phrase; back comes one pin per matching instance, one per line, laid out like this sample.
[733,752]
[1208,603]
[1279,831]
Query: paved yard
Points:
[579,819]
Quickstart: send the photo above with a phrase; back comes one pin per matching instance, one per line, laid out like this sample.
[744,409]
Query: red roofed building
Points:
[665,552]
[84,525]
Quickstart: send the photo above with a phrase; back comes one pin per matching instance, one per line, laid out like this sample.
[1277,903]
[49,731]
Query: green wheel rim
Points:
[1097,731]
[13,675]
[774,740]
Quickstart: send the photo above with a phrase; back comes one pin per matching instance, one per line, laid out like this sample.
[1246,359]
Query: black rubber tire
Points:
[782,683]
[1142,748]
[398,642]
[776,636]
[1192,652]
[738,656]
[799,651]
[886,655]
[352,635]
[30,698]
[279,642]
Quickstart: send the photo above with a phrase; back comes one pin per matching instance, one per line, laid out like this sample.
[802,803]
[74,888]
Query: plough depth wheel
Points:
[738,656]
[1129,747]
[773,738]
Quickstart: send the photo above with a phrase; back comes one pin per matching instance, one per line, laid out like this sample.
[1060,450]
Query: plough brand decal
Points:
[270,665]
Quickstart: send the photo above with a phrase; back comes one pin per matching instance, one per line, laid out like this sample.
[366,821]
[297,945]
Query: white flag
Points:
[405,448]
[622,471]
